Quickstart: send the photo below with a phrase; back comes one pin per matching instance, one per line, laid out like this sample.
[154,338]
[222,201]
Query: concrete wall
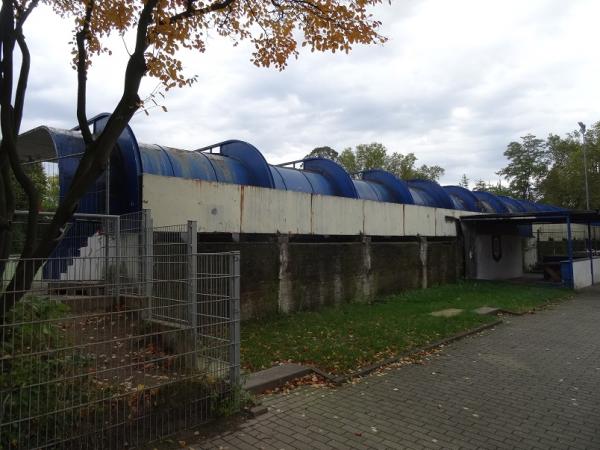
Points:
[582,272]
[510,264]
[282,276]
[229,208]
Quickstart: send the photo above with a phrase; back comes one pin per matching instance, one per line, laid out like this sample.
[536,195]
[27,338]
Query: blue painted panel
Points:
[155,160]
[277,178]
[490,202]
[337,177]
[436,195]
[192,165]
[229,170]
[566,274]
[385,195]
[512,205]
[294,180]
[421,197]
[463,198]
[397,189]
[258,173]
[366,191]
[320,184]
[126,164]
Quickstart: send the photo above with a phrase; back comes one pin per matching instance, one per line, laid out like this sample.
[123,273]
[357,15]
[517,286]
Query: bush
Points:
[38,375]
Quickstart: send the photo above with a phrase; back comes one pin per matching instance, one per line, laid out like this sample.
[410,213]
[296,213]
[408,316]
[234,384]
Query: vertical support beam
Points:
[234,318]
[192,275]
[284,295]
[423,257]
[148,266]
[570,282]
[590,253]
[117,258]
[367,291]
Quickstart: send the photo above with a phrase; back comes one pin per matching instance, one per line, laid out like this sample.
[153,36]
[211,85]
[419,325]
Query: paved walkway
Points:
[533,382]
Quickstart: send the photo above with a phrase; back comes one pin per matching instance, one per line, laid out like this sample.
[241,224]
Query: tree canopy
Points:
[552,170]
[564,183]
[375,156]
[527,167]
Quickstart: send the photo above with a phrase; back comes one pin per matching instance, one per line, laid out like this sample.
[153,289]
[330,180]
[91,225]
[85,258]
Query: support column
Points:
[285,286]
[234,318]
[423,257]
[192,272]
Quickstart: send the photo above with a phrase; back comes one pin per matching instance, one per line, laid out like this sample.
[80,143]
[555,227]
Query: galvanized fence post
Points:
[192,273]
[117,232]
[148,241]
[234,318]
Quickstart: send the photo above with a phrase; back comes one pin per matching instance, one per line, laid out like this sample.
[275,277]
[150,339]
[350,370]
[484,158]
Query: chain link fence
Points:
[127,335]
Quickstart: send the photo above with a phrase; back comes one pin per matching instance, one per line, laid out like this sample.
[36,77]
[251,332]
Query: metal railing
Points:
[122,356]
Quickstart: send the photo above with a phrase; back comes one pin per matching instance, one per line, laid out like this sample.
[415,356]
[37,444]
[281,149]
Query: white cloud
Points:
[456,82]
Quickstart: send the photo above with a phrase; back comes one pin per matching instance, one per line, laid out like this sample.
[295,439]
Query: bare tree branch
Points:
[191,11]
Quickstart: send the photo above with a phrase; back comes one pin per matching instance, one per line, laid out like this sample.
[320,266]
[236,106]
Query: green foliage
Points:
[36,173]
[32,364]
[345,338]
[348,160]
[375,156]
[527,167]
[565,183]
[51,194]
[497,189]
[323,152]
[464,181]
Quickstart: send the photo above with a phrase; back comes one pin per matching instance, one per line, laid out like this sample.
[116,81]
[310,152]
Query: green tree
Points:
[564,185]
[348,160]
[323,152]
[464,181]
[527,166]
[499,189]
[50,198]
[36,174]
[375,156]
[480,186]
[371,156]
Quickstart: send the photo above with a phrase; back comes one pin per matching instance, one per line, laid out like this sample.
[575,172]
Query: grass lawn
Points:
[343,339]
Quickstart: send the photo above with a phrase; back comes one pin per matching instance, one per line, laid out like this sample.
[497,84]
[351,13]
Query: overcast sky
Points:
[455,83]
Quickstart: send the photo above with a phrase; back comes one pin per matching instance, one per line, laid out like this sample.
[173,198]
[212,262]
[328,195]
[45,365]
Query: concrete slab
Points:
[486,311]
[274,377]
[450,312]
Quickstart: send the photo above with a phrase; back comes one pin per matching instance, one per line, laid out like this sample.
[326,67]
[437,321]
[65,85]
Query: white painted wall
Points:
[509,266]
[91,262]
[530,253]
[582,273]
[230,208]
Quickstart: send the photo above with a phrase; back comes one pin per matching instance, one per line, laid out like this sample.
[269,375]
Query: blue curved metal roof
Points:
[463,199]
[398,190]
[239,162]
[490,203]
[429,193]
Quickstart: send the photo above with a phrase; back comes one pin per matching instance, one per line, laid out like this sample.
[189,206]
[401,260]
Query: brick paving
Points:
[533,382]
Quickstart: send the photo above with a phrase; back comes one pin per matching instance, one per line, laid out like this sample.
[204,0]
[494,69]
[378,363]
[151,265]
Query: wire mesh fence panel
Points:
[556,243]
[81,364]
[171,249]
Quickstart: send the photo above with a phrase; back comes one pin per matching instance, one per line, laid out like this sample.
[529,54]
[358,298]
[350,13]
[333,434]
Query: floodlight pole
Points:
[585,171]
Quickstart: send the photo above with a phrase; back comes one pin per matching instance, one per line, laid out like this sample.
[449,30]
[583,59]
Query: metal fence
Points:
[120,346]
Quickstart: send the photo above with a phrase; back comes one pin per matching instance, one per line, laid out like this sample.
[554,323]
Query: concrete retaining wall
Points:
[282,276]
